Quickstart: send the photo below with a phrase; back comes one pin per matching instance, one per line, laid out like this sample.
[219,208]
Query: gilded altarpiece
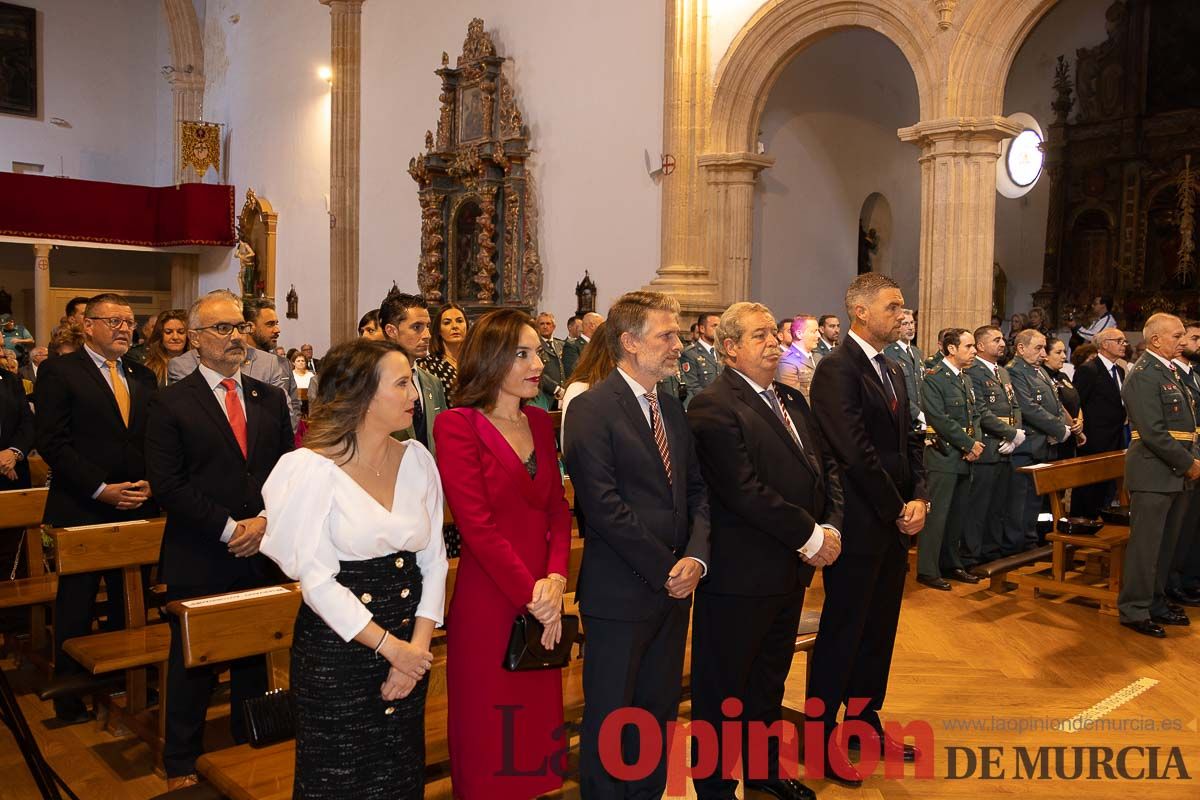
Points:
[255,250]
[1123,161]
[478,216]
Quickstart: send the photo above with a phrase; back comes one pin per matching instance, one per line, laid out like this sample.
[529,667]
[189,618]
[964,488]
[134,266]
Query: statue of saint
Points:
[249,271]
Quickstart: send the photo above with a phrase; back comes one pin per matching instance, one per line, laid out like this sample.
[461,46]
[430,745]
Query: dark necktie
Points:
[886,379]
[419,419]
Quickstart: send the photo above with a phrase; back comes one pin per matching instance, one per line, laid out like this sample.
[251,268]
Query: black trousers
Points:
[853,653]
[1185,571]
[638,664]
[987,505]
[189,690]
[1088,501]
[1024,505]
[74,608]
[742,647]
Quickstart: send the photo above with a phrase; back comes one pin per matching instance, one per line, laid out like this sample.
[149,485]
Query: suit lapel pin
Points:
[254,392]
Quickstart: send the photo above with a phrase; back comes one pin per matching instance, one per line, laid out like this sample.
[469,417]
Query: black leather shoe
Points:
[1184,597]
[72,715]
[784,789]
[962,576]
[1146,628]
[1171,618]
[934,583]
[910,751]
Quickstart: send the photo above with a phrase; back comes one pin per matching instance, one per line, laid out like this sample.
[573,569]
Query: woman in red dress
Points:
[499,466]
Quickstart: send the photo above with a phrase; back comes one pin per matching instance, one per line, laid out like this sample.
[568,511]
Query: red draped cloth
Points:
[41,207]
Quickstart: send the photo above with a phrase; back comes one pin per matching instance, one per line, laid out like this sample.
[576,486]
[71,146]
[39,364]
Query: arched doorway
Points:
[876,235]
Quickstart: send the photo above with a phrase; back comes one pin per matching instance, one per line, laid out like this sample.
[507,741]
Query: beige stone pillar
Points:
[43,321]
[729,222]
[958,220]
[687,98]
[346,123]
[185,279]
[187,92]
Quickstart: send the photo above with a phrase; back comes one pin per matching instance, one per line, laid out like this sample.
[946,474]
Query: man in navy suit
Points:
[861,402]
[91,424]
[633,463]
[211,441]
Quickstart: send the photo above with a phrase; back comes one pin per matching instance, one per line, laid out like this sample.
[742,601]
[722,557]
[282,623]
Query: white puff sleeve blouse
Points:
[317,515]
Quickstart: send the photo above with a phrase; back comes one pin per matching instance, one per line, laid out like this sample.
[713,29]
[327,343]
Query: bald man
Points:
[1160,460]
[572,349]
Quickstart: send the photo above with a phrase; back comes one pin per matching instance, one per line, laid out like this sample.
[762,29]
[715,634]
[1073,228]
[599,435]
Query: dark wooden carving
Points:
[1117,220]
[478,224]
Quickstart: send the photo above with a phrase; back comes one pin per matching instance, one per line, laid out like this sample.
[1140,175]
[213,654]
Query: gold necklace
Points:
[378,472]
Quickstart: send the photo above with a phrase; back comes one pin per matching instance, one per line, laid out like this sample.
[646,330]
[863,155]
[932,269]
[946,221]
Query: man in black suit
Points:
[211,441]
[860,400]
[633,463]
[16,433]
[776,501]
[1099,384]
[91,423]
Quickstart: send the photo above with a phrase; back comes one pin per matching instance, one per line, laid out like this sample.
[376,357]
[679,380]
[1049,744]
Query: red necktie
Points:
[233,410]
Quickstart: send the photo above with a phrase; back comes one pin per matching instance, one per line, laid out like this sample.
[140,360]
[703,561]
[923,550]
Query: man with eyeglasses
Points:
[260,363]
[1105,422]
[90,428]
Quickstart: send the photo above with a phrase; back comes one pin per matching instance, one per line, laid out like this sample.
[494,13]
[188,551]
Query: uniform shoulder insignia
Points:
[687,366]
[931,371]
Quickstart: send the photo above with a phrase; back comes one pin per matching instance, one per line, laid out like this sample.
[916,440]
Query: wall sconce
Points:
[325,74]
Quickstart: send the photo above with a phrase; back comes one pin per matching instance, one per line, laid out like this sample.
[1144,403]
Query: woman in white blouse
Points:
[356,517]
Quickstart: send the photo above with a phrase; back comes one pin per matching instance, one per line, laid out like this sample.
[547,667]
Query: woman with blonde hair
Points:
[356,517]
[167,339]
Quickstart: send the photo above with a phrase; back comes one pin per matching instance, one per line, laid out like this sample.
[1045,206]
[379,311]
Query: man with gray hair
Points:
[775,495]
[1161,460]
[1099,382]
[573,348]
[633,463]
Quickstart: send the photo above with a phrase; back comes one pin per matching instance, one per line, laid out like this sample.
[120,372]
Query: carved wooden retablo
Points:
[478,219]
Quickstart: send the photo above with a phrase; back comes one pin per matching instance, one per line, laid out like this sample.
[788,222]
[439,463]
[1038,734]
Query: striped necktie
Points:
[660,433]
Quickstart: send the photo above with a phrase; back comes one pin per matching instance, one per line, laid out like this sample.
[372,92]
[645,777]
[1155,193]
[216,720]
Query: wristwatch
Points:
[928,506]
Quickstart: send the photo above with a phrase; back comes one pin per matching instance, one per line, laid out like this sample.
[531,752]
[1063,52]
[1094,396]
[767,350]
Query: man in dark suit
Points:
[211,441]
[860,400]
[1099,384]
[633,463]
[91,423]
[16,433]
[776,502]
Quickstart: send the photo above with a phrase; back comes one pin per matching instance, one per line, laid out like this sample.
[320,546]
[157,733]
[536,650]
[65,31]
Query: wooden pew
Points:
[1106,548]
[226,627]
[22,508]
[127,546]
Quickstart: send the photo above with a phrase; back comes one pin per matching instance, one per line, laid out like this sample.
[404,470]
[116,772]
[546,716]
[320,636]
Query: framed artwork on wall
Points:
[470,118]
[18,60]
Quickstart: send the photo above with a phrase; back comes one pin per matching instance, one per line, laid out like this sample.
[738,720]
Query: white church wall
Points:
[831,123]
[589,80]
[1021,223]
[99,68]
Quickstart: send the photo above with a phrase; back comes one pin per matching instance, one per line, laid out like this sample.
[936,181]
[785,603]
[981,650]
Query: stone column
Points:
[187,91]
[729,222]
[687,97]
[43,321]
[185,279]
[346,123]
[958,220]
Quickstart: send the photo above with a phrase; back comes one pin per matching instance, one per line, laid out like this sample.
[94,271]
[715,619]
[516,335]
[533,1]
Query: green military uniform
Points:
[823,347]
[912,363]
[1163,415]
[699,367]
[554,377]
[571,351]
[433,402]
[953,421]
[1044,422]
[1186,574]
[935,359]
[983,536]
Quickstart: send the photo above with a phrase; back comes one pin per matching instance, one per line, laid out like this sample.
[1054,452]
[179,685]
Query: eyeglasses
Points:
[225,328]
[116,323]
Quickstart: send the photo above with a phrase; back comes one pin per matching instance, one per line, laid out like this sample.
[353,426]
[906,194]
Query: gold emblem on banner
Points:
[200,146]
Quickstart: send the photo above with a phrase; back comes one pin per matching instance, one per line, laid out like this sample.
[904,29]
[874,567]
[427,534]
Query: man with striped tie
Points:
[633,463]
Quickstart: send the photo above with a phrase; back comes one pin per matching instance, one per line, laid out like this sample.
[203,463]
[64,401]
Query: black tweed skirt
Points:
[350,743]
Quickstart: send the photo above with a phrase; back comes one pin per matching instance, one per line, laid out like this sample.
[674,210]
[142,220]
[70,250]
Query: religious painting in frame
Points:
[470,118]
[18,60]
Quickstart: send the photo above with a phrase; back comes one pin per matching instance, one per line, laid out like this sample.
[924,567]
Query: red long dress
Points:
[515,530]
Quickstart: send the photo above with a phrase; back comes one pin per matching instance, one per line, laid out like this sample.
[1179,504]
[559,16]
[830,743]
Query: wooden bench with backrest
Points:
[1106,548]
[22,508]
[126,546]
[230,626]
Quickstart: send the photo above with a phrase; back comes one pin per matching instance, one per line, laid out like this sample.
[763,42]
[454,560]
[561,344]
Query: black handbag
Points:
[525,651]
[270,719]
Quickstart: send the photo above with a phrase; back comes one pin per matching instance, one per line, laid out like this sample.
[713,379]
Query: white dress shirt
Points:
[317,515]
[870,351]
[810,547]
[639,392]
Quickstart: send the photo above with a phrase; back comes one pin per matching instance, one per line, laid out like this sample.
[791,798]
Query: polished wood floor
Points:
[964,659]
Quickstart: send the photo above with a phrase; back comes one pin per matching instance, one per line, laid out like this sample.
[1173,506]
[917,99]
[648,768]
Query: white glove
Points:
[1018,439]
[1006,449]
[1066,433]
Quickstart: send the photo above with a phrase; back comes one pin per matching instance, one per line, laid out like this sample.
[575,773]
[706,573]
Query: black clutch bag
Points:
[1116,516]
[270,718]
[1080,526]
[525,651]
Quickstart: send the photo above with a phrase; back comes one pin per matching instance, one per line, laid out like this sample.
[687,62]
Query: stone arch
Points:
[876,215]
[187,41]
[779,30]
[983,53]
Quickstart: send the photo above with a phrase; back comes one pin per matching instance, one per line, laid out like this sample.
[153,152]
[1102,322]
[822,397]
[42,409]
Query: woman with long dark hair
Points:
[447,332]
[356,517]
[507,497]
[167,340]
